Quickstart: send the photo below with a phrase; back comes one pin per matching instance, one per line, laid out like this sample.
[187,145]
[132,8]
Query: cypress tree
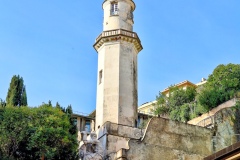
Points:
[24,97]
[58,105]
[17,95]
[50,103]
[69,112]
[2,103]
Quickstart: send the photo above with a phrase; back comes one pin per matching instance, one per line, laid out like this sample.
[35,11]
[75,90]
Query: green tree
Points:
[177,97]
[2,103]
[73,128]
[222,85]
[24,97]
[49,103]
[68,150]
[162,108]
[17,95]
[177,104]
[190,94]
[34,133]
[14,131]
[60,107]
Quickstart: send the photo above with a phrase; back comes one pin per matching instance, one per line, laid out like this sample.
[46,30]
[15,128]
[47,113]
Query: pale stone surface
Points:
[171,140]
[117,66]
[113,142]
[121,155]
[123,19]
[90,149]
[115,137]
[123,131]
[122,144]
[117,93]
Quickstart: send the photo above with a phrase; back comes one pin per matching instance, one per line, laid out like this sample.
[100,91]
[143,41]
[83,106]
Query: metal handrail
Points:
[206,122]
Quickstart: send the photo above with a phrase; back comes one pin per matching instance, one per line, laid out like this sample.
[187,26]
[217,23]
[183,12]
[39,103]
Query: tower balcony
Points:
[118,35]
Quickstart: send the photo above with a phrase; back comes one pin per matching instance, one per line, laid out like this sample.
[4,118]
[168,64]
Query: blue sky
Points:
[49,44]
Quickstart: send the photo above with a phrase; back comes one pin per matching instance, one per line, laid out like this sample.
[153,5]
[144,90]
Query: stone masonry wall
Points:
[115,137]
[227,127]
[171,140]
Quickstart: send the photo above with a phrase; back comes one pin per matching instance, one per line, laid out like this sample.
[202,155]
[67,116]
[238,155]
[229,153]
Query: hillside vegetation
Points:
[182,105]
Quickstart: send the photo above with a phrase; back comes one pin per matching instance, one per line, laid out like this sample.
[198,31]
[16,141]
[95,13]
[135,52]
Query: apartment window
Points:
[88,126]
[114,9]
[100,76]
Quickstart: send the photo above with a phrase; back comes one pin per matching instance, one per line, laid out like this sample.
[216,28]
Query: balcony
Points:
[117,32]
[116,35]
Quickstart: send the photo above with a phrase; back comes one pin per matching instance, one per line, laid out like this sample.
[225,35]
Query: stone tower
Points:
[117,47]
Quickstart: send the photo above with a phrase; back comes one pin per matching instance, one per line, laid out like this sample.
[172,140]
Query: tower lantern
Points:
[117,47]
[118,14]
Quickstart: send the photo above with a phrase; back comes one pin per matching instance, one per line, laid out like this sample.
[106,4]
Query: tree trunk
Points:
[42,158]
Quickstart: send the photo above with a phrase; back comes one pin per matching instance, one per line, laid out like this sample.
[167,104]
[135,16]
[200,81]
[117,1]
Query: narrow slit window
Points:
[114,9]
[100,77]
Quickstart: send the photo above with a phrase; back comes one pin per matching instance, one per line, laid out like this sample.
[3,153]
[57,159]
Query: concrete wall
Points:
[171,140]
